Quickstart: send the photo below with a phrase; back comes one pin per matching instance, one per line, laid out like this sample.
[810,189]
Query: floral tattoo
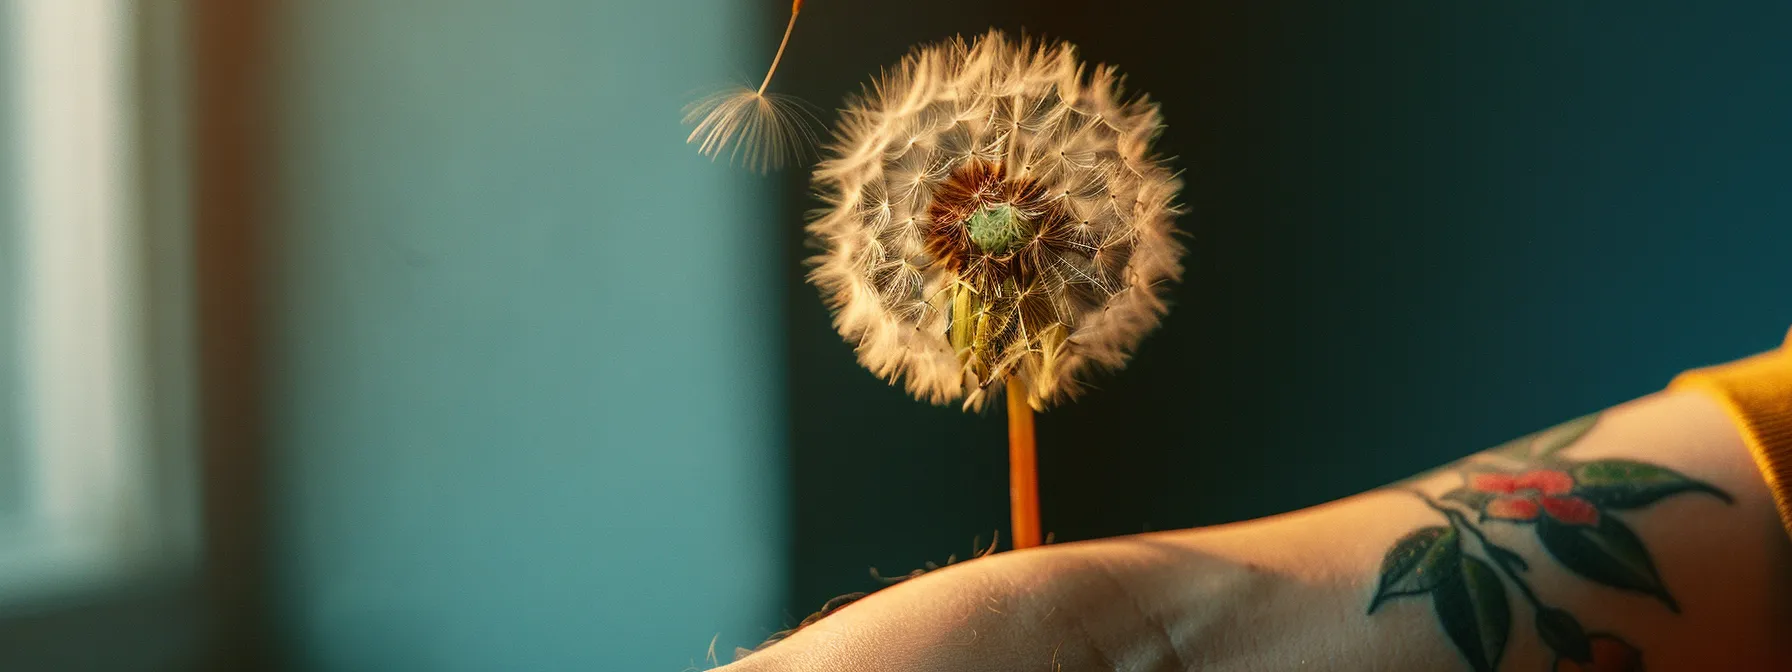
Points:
[1570,505]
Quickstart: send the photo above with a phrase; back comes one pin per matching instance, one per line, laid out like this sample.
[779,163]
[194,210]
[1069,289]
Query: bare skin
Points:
[1707,583]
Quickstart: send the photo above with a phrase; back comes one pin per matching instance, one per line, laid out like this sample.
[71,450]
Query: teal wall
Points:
[523,349]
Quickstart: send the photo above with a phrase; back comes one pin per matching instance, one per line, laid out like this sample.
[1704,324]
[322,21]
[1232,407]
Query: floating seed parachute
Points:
[763,131]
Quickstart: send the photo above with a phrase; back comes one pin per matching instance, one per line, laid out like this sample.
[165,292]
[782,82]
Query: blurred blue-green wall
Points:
[525,370]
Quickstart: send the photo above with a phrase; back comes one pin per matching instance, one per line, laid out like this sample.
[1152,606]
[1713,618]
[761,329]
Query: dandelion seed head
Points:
[993,210]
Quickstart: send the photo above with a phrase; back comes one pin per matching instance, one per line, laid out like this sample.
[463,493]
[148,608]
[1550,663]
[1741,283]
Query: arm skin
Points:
[1713,590]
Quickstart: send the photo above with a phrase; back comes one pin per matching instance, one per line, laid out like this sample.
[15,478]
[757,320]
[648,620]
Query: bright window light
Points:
[99,491]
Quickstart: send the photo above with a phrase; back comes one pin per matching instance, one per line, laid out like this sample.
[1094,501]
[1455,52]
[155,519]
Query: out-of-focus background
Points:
[409,335]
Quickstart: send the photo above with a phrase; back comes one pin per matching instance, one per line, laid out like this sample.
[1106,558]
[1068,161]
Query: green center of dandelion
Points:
[997,228]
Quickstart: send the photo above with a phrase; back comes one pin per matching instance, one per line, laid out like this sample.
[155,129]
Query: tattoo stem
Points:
[1460,521]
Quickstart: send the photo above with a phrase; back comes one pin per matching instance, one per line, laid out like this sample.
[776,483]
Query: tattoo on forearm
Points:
[1570,505]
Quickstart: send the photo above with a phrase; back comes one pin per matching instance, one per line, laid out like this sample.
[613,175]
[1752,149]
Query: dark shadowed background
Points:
[1415,229]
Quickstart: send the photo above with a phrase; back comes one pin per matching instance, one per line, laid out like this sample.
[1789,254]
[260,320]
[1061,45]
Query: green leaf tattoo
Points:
[1549,441]
[1562,633]
[1611,554]
[1471,605]
[1417,563]
[1570,506]
[1507,558]
[1623,484]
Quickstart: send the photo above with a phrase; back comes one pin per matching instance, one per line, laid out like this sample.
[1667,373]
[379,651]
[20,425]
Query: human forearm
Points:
[1651,532]
[1648,537]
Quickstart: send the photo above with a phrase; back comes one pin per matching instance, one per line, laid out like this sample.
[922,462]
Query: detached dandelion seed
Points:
[760,130]
[995,221]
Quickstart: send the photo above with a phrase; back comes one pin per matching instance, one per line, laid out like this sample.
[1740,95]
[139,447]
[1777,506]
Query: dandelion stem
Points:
[1023,467]
[795,7]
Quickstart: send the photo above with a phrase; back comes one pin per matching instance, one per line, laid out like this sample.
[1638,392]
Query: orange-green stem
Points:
[1023,467]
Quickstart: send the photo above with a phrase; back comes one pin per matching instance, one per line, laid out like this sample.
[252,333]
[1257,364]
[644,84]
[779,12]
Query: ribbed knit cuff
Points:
[1757,393]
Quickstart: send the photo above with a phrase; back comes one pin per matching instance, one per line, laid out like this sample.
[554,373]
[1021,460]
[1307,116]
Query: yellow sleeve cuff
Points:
[1757,393]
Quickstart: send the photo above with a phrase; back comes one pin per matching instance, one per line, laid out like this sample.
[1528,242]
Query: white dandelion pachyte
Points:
[994,210]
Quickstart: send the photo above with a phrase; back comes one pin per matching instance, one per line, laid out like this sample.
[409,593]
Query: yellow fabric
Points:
[1757,392]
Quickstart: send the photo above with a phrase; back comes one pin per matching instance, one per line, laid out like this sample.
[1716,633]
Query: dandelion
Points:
[760,130]
[994,214]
